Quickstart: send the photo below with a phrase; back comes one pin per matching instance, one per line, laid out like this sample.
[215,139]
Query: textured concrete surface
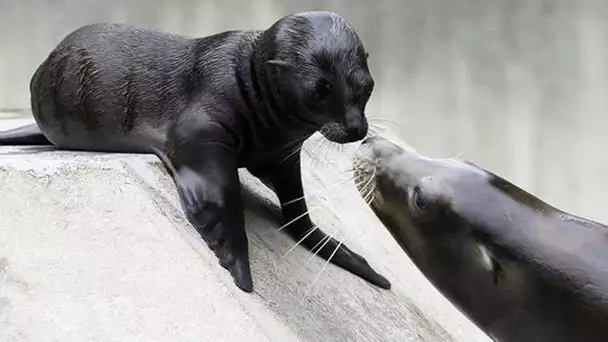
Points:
[94,247]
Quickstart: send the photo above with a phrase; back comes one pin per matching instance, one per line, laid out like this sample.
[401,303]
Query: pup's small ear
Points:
[366,55]
[288,77]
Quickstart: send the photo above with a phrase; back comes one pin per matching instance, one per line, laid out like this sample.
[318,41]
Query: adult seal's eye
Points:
[418,200]
[322,89]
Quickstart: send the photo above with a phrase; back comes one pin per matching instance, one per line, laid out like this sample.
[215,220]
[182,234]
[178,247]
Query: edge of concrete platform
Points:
[95,247]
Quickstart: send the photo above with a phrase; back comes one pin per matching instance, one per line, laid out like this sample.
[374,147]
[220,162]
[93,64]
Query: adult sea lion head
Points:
[316,67]
[465,228]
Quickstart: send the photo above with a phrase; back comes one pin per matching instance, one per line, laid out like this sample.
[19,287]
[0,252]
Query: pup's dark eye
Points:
[322,89]
[368,90]
[418,199]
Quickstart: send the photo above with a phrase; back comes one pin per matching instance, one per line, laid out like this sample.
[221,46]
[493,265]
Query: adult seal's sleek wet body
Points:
[519,268]
[207,107]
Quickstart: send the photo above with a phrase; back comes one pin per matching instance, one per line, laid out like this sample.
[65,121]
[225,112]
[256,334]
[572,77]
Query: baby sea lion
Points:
[521,269]
[208,106]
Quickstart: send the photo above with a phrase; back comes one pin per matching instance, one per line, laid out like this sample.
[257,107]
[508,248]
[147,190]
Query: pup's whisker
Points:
[295,146]
[296,141]
[373,118]
[300,216]
[316,152]
[296,150]
[313,150]
[325,265]
[320,191]
[325,240]
[310,231]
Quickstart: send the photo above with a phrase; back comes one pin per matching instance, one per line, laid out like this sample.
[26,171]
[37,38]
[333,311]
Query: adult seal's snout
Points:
[208,106]
[378,148]
[371,140]
[521,269]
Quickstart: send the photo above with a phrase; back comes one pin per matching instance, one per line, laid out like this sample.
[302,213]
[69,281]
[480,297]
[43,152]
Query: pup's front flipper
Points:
[286,180]
[206,176]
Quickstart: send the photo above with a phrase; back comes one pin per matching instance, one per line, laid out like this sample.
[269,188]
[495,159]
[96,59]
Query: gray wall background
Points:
[518,85]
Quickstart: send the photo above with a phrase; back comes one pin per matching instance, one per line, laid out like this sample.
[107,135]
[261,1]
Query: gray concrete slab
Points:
[94,247]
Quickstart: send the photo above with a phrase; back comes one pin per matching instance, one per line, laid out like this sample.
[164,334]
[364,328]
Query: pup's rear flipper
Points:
[24,135]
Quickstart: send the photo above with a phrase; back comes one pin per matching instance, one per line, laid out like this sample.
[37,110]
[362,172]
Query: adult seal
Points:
[521,269]
[208,106]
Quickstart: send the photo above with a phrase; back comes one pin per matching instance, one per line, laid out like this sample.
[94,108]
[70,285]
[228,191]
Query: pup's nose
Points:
[357,133]
[355,124]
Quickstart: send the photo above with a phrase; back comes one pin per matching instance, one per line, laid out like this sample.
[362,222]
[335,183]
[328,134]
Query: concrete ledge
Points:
[95,247]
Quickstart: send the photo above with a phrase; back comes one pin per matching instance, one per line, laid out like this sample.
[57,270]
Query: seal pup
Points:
[519,268]
[208,106]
